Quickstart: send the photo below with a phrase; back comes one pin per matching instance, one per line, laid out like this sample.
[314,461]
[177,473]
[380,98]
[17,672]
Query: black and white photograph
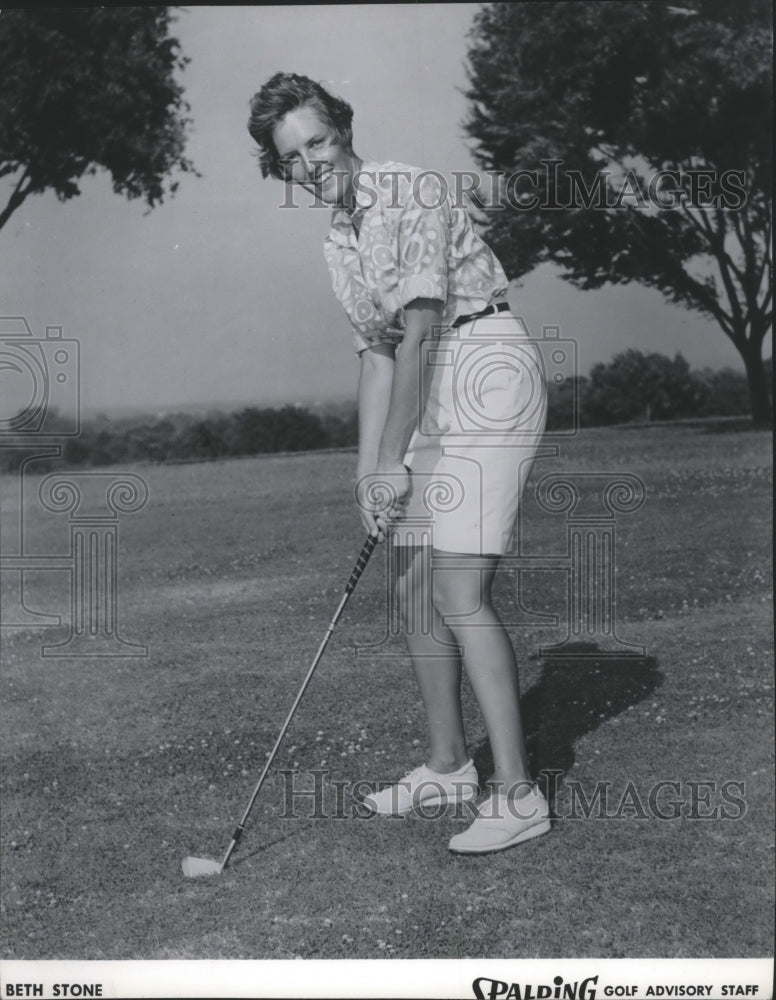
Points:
[386,586]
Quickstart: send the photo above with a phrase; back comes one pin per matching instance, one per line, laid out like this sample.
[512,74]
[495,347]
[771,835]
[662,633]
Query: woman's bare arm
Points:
[374,395]
[391,394]
[408,388]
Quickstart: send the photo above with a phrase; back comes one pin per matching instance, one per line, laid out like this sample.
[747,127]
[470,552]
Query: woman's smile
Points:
[313,155]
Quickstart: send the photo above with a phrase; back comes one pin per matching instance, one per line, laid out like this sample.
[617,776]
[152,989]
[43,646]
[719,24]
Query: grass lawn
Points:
[114,769]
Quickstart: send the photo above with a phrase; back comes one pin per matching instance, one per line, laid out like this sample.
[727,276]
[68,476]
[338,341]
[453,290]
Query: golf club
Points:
[197,867]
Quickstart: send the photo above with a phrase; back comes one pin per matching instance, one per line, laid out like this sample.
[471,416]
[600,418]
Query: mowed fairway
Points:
[115,769]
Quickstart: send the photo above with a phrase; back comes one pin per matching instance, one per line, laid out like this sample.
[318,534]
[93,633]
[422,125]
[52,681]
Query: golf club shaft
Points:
[355,576]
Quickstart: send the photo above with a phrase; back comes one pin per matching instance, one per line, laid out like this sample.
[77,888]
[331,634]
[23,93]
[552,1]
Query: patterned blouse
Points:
[412,243]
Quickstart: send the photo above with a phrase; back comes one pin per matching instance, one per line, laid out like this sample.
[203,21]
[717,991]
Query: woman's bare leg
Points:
[435,659]
[462,598]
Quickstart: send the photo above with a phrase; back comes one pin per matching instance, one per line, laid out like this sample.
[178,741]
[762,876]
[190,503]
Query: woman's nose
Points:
[313,167]
[308,165]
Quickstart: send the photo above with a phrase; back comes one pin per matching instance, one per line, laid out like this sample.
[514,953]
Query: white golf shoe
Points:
[503,822]
[424,787]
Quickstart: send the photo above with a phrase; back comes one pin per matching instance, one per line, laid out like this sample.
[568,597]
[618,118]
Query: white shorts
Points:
[474,445]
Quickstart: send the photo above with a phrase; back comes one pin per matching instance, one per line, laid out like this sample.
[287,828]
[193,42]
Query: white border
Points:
[636,979]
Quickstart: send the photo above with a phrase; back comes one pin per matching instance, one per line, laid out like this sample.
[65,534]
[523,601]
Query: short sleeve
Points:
[360,343]
[423,240]
[362,339]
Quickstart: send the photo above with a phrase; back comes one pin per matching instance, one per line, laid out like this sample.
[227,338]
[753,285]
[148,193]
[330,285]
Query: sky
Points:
[219,298]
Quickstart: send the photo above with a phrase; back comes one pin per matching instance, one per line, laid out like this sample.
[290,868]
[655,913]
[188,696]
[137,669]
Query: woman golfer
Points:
[451,411]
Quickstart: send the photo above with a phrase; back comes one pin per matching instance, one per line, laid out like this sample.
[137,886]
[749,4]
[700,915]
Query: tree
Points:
[90,87]
[250,431]
[637,386]
[725,392]
[642,129]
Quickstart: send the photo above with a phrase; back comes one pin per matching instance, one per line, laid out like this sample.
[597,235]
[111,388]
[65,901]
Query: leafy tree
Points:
[85,88]
[205,438]
[250,431]
[296,429]
[565,402]
[341,431]
[641,386]
[725,393]
[597,98]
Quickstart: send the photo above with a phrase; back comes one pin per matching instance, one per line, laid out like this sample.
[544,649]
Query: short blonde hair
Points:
[286,92]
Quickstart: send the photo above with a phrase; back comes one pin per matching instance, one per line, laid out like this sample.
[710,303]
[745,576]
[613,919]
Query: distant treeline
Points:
[185,437]
[632,387]
[636,387]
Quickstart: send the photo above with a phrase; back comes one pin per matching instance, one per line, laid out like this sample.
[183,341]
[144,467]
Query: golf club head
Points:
[199,867]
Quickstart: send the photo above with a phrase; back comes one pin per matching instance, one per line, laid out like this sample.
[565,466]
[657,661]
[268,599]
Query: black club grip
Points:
[363,559]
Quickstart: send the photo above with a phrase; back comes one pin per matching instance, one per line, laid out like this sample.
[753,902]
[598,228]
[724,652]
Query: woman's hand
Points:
[382,498]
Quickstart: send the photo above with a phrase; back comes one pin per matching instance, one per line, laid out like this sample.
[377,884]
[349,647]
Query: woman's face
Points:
[312,154]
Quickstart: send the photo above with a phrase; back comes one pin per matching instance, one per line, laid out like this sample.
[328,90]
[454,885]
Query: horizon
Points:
[323,404]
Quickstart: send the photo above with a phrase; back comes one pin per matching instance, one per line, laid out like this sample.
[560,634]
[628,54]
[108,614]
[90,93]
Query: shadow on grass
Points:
[572,698]
[238,858]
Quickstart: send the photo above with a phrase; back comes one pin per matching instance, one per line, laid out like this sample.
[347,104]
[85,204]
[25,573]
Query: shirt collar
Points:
[365,193]
[341,224]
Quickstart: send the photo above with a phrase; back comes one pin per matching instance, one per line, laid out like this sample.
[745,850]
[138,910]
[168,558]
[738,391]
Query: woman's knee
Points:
[461,592]
[455,598]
